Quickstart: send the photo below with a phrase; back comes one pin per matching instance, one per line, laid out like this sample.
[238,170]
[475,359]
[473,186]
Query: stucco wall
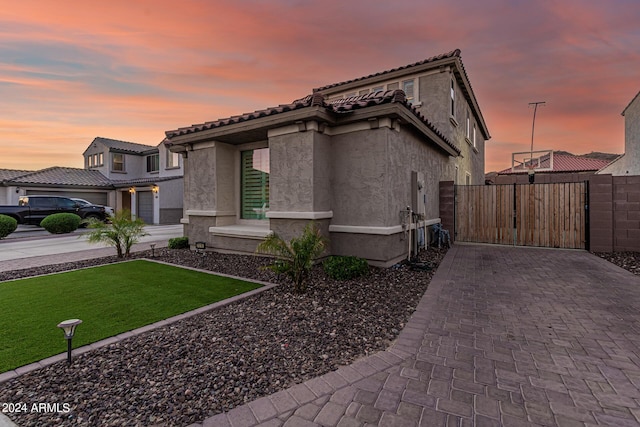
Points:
[299,180]
[436,106]
[360,181]
[629,163]
[201,178]
[406,154]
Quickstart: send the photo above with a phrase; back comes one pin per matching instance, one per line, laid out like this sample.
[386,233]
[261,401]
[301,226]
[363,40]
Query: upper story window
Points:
[453,99]
[474,135]
[254,187]
[468,125]
[153,163]
[117,162]
[173,160]
[407,87]
[377,89]
[95,160]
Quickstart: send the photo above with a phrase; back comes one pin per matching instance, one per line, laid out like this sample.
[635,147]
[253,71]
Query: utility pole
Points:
[533,126]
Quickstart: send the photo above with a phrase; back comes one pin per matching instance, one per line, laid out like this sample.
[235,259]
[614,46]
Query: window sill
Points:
[122,172]
[257,232]
[453,121]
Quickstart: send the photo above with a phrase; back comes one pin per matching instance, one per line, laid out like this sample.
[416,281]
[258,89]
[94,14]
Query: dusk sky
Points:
[71,71]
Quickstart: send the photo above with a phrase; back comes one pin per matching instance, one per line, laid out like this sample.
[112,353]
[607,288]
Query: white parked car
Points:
[107,209]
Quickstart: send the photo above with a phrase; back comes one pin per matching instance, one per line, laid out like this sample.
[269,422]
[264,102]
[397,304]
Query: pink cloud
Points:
[133,70]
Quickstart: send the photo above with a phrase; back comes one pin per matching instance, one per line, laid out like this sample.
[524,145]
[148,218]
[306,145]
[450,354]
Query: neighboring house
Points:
[148,180]
[556,166]
[144,179]
[352,156]
[628,164]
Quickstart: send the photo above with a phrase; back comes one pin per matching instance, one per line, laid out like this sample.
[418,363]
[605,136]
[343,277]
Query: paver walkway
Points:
[503,336]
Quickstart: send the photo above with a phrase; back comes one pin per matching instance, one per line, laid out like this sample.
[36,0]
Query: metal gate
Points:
[551,215]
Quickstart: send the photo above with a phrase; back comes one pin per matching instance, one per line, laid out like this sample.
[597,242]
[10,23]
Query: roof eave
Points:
[262,124]
[342,87]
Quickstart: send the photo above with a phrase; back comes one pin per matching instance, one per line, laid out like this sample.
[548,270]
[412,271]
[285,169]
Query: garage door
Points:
[93,197]
[145,206]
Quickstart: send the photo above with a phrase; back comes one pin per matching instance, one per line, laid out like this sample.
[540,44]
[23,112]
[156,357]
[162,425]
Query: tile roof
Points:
[136,181]
[9,174]
[339,106]
[63,176]
[131,147]
[453,54]
[563,163]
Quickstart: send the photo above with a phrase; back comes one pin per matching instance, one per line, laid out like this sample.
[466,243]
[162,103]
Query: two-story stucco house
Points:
[355,157]
[147,180]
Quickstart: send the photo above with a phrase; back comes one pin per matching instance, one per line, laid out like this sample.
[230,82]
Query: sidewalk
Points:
[35,248]
[503,336]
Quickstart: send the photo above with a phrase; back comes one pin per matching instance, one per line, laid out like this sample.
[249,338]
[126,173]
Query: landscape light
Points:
[69,328]
[153,247]
[201,245]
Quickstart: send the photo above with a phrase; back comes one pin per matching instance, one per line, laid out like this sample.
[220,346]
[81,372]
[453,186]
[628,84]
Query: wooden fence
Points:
[550,215]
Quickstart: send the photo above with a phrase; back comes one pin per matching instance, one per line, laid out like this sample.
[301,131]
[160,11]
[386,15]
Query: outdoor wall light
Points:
[155,189]
[201,245]
[132,190]
[69,328]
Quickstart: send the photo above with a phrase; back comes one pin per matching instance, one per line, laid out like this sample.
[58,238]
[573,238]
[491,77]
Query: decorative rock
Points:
[218,360]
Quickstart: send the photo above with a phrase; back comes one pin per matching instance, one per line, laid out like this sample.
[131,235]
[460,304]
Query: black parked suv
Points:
[33,209]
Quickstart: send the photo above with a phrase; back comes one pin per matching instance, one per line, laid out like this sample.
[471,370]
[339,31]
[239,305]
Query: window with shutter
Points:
[254,184]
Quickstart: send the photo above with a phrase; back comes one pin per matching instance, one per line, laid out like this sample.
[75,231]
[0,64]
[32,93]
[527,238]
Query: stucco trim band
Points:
[299,215]
[384,231]
[241,231]
[196,212]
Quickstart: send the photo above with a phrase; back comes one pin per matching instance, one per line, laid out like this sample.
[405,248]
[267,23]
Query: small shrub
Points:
[179,243]
[61,223]
[7,225]
[345,267]
[295,258]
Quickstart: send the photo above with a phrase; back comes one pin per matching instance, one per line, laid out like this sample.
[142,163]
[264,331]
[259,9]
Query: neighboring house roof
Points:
[8,174]
[563,162]
[64,176]
[129,182]
[71,177]
[336,107]
[124,146]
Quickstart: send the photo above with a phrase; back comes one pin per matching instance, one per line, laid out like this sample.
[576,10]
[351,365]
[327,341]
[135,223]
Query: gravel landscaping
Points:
[627,260]
[210,363]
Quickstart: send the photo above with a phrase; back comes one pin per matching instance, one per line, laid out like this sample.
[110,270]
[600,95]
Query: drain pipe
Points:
[410,214]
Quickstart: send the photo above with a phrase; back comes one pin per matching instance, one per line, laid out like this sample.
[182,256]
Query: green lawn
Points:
[109,299]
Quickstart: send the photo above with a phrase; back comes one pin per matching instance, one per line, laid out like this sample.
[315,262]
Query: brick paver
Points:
[503,337]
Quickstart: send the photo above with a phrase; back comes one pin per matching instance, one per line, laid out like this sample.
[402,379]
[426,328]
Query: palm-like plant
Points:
[295,258]
[122,233]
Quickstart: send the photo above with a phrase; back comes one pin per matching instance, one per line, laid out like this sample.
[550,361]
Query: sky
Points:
[132,69]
